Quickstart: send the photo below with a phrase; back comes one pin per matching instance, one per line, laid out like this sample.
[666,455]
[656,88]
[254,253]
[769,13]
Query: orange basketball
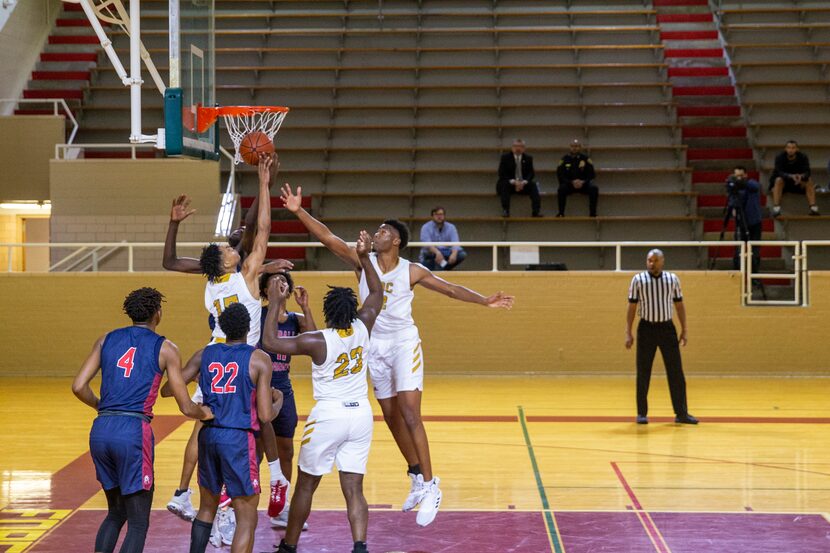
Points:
[252,145]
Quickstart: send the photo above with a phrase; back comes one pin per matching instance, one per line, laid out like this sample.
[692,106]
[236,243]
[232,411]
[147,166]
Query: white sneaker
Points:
[416,492]
[226,525]
[430,502]
[182,506]
[215,536]
[281,521]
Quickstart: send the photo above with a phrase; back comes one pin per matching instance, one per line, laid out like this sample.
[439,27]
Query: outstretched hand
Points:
[181,209]
[264,167]
[364,244]
[500,300]
[292,201]
[277,290]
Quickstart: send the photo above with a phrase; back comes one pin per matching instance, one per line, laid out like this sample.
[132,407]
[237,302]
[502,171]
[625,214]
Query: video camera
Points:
[735,184]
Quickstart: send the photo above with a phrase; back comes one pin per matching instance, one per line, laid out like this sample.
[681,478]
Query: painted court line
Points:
[550,521]
[645,519]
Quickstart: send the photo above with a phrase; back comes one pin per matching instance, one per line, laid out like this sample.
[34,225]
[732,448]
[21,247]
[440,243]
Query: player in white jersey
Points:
[228,283]
[339,427]
[395,359]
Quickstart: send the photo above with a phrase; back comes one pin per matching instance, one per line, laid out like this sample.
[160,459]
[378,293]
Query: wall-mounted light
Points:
[28,207]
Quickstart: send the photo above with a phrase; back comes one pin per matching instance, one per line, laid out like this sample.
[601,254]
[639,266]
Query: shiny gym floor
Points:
[528,464]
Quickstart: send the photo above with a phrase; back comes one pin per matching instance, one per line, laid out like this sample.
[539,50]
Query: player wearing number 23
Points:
[339,427]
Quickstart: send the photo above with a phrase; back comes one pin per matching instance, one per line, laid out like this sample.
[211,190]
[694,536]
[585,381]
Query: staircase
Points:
[710,118]
[284,228]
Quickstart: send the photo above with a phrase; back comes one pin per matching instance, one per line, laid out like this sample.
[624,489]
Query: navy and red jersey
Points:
[130,372]
[281,362]
[225,380]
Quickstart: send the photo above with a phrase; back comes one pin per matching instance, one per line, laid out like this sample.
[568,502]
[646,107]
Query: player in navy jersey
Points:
[132,361]
[285,424]
[235,379]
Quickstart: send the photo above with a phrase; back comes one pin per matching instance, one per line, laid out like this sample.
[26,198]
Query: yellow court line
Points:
[50,530]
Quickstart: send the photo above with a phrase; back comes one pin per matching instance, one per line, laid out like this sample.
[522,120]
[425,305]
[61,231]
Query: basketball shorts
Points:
[337,432]
[122,451]
[197,396]
[396,363]
[228,455]
[285,424]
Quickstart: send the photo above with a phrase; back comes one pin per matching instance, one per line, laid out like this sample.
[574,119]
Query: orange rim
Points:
[208,116]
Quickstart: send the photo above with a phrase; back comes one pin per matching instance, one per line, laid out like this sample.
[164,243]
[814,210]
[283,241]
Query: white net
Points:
[239,125]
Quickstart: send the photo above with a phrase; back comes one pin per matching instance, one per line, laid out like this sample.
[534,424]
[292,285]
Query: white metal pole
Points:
[618,257]
[130,259]
[135,71]
[175,50]
[495,258]
[106,43]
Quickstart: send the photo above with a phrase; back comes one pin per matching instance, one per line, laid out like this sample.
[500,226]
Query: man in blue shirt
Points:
[438,229]
[744,202]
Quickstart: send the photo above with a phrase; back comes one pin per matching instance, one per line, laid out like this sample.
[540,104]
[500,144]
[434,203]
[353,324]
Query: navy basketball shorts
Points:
[122,451]
[285,423]
[228,456]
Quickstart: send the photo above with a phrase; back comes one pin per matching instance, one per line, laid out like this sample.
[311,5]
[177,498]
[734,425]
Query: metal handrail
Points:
[54,102]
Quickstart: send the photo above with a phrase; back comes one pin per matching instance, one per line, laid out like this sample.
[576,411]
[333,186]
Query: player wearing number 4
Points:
[395,359]
[132,361]
[339,427]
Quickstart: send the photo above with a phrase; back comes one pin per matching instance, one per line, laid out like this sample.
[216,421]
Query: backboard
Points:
[192,79]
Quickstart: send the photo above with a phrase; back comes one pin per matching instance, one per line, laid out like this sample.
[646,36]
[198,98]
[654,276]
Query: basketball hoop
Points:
[242,120]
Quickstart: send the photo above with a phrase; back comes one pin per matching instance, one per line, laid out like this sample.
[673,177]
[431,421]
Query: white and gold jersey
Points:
[396,315]
[228,289]
[342,376]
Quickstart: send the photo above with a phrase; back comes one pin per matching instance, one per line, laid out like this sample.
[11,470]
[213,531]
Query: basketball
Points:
[252,145]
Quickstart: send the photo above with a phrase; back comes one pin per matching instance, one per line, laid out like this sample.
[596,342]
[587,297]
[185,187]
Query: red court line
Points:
[452,418]
[650,527]
[739,420]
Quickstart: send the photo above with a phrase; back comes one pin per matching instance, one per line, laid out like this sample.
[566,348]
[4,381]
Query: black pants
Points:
[530,189]
[588,188]
[133,509]
[651,336]
[753,232]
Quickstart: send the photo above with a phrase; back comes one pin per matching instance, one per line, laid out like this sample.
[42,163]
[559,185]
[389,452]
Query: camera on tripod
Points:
[735,184]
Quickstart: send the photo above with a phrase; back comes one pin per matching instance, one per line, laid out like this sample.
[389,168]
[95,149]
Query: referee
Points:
[657,292]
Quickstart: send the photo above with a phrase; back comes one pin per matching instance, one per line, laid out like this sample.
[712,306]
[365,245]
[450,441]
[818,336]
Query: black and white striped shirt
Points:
[656,295]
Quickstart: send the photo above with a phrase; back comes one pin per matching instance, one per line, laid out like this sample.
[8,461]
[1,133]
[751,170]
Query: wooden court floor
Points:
[528,464]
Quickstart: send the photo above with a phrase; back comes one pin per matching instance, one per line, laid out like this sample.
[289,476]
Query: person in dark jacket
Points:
[792,174]
[576,176]
[516,176]
[744,200]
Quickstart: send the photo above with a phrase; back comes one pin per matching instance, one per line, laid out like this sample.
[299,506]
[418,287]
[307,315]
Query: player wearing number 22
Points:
[132,361]
[339,427]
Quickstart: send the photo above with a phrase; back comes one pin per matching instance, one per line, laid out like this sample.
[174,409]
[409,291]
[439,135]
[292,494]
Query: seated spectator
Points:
[792,174]
[744,205]
[576,176]
[438,229]
[516,176]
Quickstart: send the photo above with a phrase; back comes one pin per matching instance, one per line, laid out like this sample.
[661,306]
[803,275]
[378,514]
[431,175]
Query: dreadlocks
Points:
[340,307]
[140,305]
[235,321]
[403,231]
[211,262]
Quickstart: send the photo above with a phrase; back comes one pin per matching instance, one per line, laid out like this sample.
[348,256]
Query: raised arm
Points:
[420,275]
[252,263]
[373,304]
[266,406]
[252,215]
[80,386]
[178,213]
[312,344]
[189,373]
[171,362]
[335,244]
[306,321]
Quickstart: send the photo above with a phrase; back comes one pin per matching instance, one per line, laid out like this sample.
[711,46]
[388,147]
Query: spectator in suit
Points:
[516,176]
[436,258]
[576,176]
[792,174]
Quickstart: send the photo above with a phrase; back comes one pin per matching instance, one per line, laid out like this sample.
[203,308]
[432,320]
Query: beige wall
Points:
[10,231]
[562,323]
[114,200]
[27,143]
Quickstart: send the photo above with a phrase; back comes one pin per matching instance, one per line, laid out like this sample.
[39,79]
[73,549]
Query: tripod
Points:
[735,209]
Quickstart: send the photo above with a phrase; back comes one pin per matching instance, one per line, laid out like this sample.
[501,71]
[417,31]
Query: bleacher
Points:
[397,110]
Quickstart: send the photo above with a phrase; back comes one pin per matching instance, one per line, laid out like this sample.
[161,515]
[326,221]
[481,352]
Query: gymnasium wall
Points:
[27,143]
[562,323]
[113,200]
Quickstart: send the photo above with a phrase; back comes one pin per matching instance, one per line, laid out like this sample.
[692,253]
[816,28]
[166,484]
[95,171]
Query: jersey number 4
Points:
[343,368]
[220,371]
[126,362]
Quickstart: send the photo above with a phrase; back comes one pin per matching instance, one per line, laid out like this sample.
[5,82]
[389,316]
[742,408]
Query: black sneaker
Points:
[560,214]
[537,214]
[642,419]
[685,419]
[360,547]
[505,213]
[285,548]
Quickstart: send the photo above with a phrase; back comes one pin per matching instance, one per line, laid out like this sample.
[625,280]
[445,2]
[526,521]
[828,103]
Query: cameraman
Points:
[744,205]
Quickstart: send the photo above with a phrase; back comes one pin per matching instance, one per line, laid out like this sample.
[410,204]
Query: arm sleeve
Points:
[425,233]
[590,174]
[504,171]
[531,172]
[634,290]
[779,165]
[806,166]
[454,237]
[561,174]
[677,295]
